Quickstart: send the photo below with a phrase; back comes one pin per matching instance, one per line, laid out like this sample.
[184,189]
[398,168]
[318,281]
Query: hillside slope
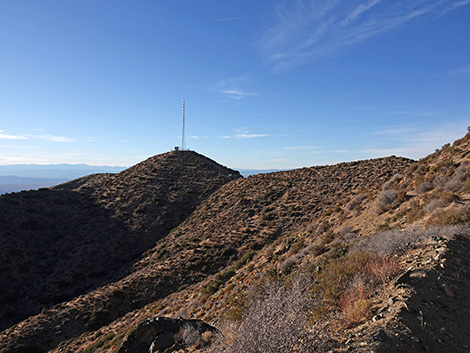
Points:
[58,243]
[241,217]
[271,228]
[378,247]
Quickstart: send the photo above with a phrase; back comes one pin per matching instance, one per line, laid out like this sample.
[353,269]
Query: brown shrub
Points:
[454,215]
[460,178]
[386,200]
[389,242]
[393,182]
[277,321]
[357,313]
[424,187]
[355,202]
[337,275]
[358,289]
[382,269]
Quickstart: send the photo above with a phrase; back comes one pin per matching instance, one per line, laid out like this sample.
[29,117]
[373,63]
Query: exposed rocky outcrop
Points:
[163,334]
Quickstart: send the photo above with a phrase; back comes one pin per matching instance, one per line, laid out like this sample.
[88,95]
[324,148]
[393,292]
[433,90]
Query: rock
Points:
[448,290]
[403,278]
[377,317]
[379,335]
[158,334]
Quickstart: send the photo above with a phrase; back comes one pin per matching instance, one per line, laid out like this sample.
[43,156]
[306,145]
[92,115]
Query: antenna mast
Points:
[183,142]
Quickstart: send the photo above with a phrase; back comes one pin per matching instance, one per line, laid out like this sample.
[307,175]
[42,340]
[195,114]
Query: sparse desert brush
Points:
[336,275]
[207,337]
[318,249]
[460,177]
[393,182]
[220,278]
[355,202]
[277,321]
[450,216]
[345,230]
[346,284]
[319,230]
[288,266]
[382,269]
[415,211]
[439,199]
[189,335]
[103,342]
[424,187]
[389,242]
[359,289]
[236,306]
[357,313]
[295,248]
[386,200]
[327,237]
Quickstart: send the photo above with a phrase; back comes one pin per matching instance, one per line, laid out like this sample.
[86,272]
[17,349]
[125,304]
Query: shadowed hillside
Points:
[240,217]
[61,242]
[361,256]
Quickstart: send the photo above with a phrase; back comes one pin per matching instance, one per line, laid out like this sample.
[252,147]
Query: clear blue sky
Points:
[268,84]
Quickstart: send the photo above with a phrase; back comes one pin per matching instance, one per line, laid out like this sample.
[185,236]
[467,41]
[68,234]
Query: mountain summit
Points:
[61,242]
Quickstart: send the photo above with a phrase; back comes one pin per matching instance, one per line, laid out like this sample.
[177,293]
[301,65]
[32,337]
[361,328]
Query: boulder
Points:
[162,334]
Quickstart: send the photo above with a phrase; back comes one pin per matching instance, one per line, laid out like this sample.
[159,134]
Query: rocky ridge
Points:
[241,216]
[58,243]
[393,213]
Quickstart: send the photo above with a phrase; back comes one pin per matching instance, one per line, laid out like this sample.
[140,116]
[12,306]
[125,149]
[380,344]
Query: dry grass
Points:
[356,313]
[382,269]
[455,215]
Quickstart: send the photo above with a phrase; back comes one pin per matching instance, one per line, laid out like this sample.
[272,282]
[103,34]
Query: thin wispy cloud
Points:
[244,134]
[4,136]
[308,30]
[232,19]
[233,87]
[306,148]
[250,136]
[461,71]
[413,112]
[237,93]
[52,138]
[414,141]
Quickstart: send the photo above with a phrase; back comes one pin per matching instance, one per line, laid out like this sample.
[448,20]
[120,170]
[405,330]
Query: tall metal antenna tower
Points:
[183,140]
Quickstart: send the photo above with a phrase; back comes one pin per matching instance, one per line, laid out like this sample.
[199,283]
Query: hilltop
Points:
[361,256]
[61,242]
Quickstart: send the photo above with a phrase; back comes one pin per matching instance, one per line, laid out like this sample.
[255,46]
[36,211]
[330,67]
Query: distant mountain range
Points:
[17,177]
[248,172]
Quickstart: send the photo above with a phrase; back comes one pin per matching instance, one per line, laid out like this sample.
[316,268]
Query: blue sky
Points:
[267,84]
